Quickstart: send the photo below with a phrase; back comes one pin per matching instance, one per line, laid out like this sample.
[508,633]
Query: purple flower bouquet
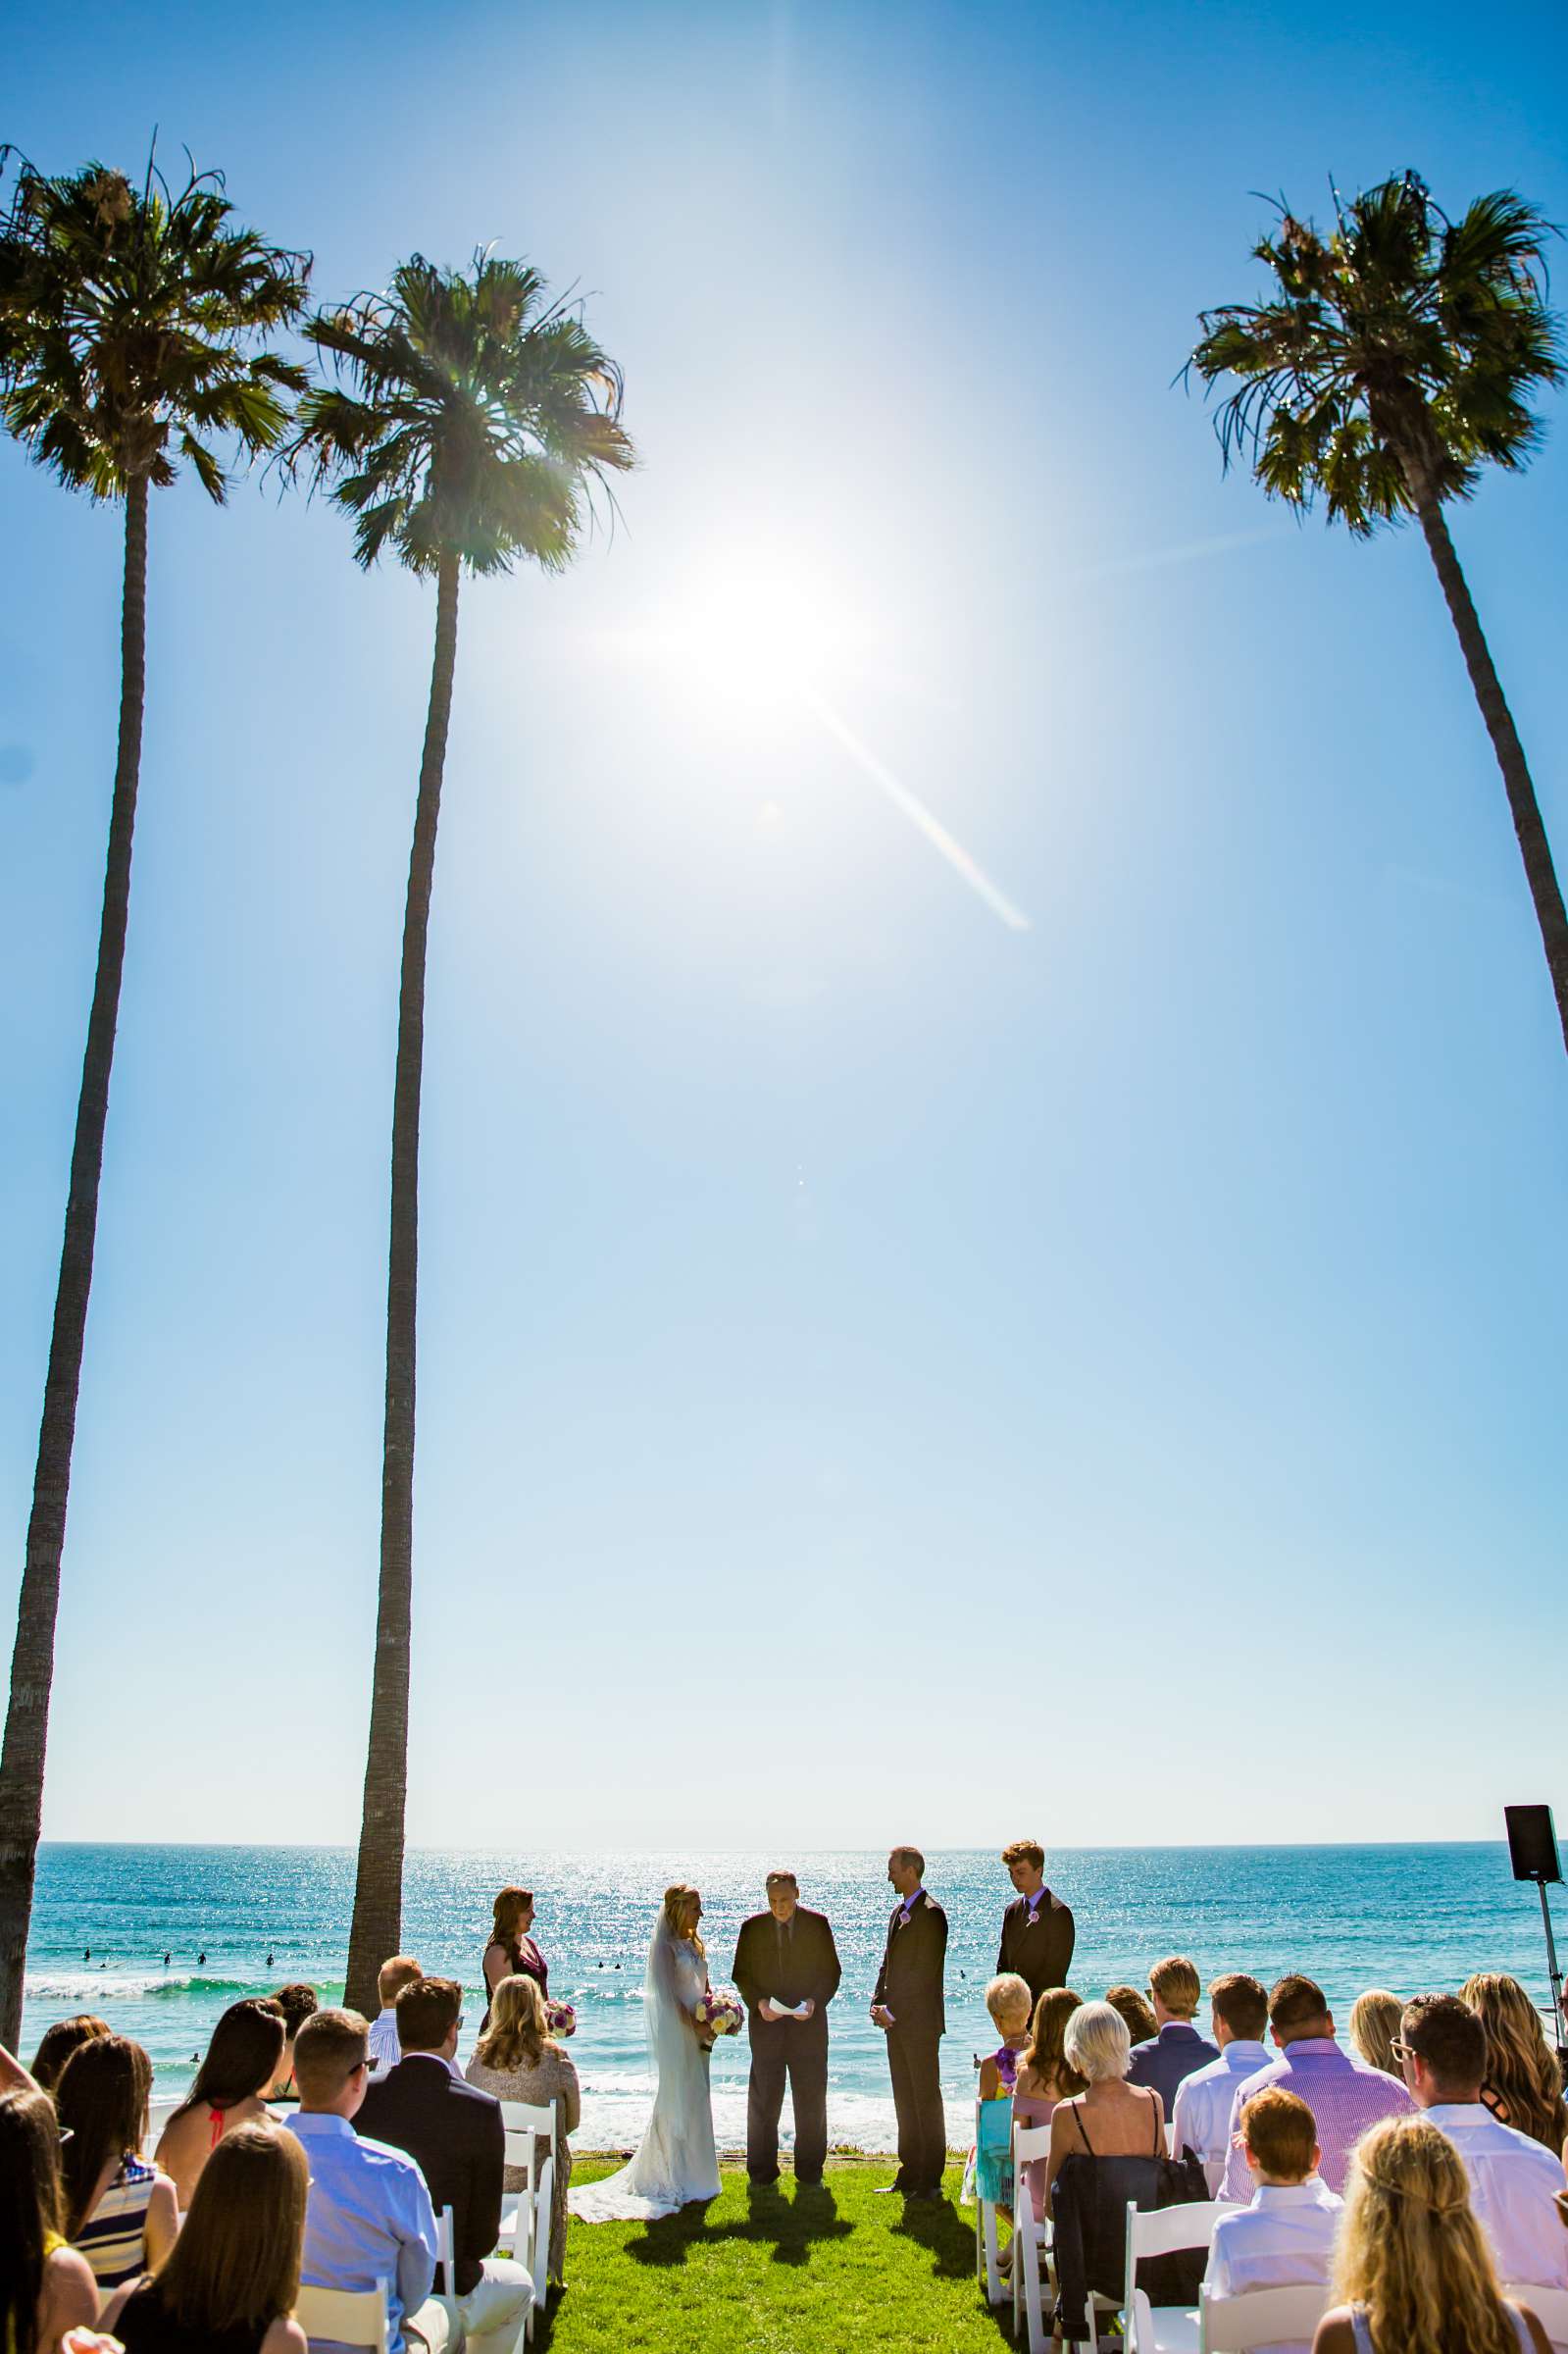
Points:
[721,2010]
[561,2018]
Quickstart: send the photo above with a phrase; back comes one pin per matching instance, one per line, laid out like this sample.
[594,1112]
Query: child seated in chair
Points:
[1285,2239]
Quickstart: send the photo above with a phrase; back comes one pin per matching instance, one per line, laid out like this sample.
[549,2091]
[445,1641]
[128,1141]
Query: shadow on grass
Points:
[937,2225]
[790,2226]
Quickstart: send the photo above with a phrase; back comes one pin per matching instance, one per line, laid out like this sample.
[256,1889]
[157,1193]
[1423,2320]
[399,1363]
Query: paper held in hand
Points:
[785,2009]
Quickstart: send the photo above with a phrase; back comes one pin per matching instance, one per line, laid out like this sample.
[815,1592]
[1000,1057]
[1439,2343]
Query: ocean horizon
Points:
[240,1920]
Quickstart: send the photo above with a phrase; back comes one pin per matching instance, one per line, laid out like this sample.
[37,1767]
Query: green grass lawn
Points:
[781,2270]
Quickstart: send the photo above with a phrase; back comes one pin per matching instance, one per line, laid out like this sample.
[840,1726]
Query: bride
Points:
[674,2162]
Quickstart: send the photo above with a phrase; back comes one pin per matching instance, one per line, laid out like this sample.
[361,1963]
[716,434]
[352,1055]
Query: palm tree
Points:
[472,423]
[127,322]
[1395,357]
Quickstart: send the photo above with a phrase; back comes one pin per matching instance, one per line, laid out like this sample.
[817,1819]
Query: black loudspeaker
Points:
[1532,1843]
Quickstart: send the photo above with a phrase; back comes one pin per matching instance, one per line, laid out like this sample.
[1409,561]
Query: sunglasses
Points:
[1402,2050]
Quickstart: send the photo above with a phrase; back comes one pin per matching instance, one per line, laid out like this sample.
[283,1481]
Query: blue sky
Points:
[884,1374]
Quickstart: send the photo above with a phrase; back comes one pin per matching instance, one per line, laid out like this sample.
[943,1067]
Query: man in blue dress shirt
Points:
[1177,2050]
[369,2223]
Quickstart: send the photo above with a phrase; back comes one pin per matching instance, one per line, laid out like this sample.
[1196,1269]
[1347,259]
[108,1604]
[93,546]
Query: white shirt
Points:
[1201,2117]
[1513,2182]
[1284,2241]
[381,2046]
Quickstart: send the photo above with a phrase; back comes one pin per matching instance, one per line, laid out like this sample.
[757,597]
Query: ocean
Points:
[238,1921]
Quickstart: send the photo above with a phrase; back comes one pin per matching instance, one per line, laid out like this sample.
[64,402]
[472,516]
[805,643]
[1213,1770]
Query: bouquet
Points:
[721,2011]
[561,2018]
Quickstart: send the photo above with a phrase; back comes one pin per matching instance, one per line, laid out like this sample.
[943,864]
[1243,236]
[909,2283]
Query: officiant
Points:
[787,1968]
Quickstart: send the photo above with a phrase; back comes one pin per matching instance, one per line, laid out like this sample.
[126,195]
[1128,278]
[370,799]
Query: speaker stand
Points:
[1558,2024]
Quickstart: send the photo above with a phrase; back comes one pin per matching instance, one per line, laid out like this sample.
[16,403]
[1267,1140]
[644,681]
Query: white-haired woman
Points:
[1111,2119]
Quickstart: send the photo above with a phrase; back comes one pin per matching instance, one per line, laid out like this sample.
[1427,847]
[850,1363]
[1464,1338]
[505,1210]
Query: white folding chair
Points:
[987,2255]
[1549,2305]
[445,2290]
[1259,2317]
[347,2317]
[526,2214]
[1164,2232]
[1031,2241]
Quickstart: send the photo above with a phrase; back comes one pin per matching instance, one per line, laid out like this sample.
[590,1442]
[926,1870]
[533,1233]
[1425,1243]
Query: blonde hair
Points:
[1045,2058]
[1008,1997]
[1095,2042]
[675,1900]
[1411,2251]
[518,2028]
[1521,2069]
[393,1975]
[1374,2024]
[1177,1983]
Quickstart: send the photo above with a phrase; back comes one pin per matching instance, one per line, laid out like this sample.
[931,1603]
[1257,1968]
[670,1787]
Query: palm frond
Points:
[130,327]
[467,415]
[1401,348]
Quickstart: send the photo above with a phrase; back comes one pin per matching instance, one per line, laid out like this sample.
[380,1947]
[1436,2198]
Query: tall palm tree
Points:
[470,424]
[1394,358]
[129,321]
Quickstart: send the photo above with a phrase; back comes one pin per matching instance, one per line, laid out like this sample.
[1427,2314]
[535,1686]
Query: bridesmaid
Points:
[512,1952]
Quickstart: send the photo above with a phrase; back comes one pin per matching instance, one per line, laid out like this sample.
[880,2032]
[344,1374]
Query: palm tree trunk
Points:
[377,1928]
[1528,825]
[27,1734]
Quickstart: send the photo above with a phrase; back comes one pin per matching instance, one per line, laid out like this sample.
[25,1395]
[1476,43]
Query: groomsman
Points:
[786,1958]
[908,2008]
[1036,1927]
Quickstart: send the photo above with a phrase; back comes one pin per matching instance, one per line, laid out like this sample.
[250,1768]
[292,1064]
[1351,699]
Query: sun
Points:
[760,621]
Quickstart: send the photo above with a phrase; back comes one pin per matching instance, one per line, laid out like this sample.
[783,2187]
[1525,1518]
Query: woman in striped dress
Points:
[120,2210]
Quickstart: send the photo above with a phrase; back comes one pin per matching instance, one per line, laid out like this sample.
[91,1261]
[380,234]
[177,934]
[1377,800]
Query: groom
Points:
[786,1959]
[908,2008]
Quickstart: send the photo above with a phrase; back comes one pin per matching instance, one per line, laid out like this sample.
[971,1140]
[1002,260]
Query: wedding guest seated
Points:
[57,2045]
[454,2132]
[1514,2182]
[1044,2079]
[1007,1999]
[1524,2083]
[1411,2271]
[1141,2024]
[513,1952]
[369,2223]
[1238,2013]
[1343,2094]
[391,1980]
[230,2285]
[1107,2146]
[1176,2048]
[45,2288]
[120,2211]
[297,2003]
[231,2089]
[1374,2024]
[1285,2237]
[517,2059]
[1109,2118]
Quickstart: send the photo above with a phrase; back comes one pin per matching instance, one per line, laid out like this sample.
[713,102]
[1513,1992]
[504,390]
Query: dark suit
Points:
[455,2135]
[1039,1952]
[787,1963]
[1166,2060]
[909,1984]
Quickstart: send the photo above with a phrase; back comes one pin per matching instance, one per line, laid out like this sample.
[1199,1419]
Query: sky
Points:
[996,1134]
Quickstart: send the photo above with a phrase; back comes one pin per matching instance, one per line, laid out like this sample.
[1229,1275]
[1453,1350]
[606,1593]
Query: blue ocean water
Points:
[1404,1917]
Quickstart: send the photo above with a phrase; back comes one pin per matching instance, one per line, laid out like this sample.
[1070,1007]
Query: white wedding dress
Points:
[676,2161]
